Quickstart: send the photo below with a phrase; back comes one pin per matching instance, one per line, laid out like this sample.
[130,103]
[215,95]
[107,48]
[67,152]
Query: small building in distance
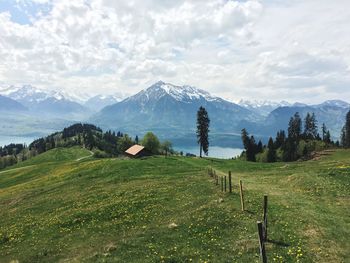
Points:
[136,151]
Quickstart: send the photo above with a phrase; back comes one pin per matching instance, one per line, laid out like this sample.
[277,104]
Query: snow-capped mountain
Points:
[168,108]
[262,107]
[43,102]
[160,89]
[30,94]
[335,103]
[98,102]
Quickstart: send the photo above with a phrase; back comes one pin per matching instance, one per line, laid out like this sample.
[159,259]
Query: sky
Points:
[295,50]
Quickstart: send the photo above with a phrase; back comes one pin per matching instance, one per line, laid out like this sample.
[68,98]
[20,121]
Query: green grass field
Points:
[57,208]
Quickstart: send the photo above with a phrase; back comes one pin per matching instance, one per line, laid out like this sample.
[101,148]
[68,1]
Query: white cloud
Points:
[236,49]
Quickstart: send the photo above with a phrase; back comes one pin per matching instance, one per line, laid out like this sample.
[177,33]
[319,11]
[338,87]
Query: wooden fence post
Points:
[225,183]
[222,184]
[261,242]
[229,182]
[241,193]
[217,179]
[265,218]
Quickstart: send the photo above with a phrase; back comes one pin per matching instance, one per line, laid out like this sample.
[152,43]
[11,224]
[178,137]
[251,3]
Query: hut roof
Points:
[134,150]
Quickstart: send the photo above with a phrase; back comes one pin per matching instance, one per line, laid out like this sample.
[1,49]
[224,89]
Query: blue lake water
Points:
[214,151]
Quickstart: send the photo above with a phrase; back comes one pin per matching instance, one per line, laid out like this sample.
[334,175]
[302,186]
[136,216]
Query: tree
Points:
[324,131]
[245,138]
[327,138]
[89,140]
[166,147]
[290,150]
[280,139]
[346,132]
[271,152]
[124,143]
[151,143]
[259,147]
[294,127]
[137,139]
[310,127]
[203,122]
[251,150]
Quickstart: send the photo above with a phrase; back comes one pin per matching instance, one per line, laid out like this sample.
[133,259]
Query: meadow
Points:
[66,206]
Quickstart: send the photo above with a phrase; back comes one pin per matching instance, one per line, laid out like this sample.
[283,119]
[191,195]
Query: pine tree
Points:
[251,150]
[310,127]
[137,139]
[245,138]
[346,132]
[289,150]
[259,148]
[271,153]
[294,127]
[324,131]
[327,138]
[314,127]
[343,137]
[280,139]
[203,122]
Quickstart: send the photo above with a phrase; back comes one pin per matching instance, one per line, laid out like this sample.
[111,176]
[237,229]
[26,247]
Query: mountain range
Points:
[166,109]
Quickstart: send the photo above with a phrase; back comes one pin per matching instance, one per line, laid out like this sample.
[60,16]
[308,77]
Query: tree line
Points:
[301,140]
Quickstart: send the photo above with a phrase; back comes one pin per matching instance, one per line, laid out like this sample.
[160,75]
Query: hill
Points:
[59,207]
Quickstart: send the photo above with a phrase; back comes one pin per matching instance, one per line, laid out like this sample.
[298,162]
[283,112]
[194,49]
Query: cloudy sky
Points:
[295,50]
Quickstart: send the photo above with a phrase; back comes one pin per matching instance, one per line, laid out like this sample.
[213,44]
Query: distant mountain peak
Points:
[179,93]
[336,103]
[262,103]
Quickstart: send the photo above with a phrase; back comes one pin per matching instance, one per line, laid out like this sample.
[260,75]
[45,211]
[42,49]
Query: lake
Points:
[214,151]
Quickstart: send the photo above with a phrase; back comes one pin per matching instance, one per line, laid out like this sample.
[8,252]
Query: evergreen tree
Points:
[280,139]
[327,138]
[346,132]
[290,150]
[259,148]
[324,131]
[137,139]
[310,127]
[245,138]
[251,150]
[90,141]
[343,137]
[271,153]
[294,127]
[203,122]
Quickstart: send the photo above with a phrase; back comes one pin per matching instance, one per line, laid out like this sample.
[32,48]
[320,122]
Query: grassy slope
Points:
[108,210]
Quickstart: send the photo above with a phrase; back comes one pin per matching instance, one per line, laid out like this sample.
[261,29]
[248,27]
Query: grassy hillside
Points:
[59,207]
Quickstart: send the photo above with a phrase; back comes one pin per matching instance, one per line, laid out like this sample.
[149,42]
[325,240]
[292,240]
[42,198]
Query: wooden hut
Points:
[136,151]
